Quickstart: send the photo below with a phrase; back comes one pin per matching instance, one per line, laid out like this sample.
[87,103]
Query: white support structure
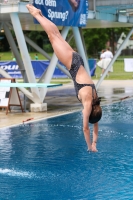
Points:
[94,5]
[114,59]
[35,46]
[98,17]
[14,49]
[25,55]
[6,75]
[83,41]
[80,47]
[70,38]
[52,66]
[26,92]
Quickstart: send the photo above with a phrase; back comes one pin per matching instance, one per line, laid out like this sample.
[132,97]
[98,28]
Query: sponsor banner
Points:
[39,68]
[64,13]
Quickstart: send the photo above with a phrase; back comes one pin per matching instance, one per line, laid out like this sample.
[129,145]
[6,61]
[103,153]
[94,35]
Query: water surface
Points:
[47,160]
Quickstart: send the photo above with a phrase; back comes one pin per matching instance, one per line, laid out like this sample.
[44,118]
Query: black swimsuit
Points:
[77,61]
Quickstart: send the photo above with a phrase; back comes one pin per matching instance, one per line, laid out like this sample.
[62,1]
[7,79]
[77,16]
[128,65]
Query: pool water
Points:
[47,160]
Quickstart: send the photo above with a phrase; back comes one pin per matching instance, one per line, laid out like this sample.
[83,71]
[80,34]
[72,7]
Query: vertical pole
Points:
[69,39]
[80,47]
[0,31]
[114,58]
[25,98]
[83,41]
[25,55]
[94,5]
[0,26]
[14,48]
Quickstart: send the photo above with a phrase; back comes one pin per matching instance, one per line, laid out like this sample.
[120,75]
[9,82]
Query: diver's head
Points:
[96,112]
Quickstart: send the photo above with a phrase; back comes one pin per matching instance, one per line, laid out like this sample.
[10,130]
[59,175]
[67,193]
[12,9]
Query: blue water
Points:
[47,160]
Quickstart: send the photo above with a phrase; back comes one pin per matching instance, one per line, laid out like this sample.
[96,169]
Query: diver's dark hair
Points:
[96,112]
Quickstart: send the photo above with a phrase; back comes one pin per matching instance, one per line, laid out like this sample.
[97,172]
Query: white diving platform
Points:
[29,85]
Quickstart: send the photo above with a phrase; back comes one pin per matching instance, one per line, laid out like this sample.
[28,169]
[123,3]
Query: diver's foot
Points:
[94,149]
[33,11]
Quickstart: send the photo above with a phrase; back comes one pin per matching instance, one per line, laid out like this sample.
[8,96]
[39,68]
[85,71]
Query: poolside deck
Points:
[63,100]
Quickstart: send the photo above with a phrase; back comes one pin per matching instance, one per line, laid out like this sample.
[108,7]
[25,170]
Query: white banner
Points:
[4,93]
[128,64]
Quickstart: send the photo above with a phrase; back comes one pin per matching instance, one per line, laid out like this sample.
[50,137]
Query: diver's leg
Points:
[61,48]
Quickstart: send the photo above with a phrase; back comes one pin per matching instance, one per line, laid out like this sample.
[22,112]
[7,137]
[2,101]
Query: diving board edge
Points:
[28,85]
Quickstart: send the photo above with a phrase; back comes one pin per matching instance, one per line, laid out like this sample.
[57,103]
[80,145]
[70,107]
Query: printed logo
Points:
[9,67]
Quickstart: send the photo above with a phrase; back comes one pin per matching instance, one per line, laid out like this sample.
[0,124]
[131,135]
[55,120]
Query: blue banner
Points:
[92,65]
[39,68]
[64,12]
